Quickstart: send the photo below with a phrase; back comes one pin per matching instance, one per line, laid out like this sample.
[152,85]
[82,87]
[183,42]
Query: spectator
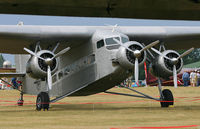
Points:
[15,83]
[193,78]
[186,78]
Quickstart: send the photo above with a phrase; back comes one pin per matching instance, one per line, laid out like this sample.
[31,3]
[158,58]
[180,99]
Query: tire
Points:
[42,101]
[20,102]
[168,96]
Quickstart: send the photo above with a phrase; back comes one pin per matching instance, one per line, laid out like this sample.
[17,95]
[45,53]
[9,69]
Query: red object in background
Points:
[153,81]
[145,69]
[20,82]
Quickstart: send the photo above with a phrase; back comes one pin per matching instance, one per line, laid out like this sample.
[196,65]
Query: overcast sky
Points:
[53,20]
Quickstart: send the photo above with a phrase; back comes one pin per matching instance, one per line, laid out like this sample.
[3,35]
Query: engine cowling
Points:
[162,67]
[37,68]
[126,58]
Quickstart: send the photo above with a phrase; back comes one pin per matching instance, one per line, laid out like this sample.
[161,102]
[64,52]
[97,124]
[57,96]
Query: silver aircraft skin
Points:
[100,57]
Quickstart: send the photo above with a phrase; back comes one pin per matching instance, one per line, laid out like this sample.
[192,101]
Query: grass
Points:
[91,112]
[193,65]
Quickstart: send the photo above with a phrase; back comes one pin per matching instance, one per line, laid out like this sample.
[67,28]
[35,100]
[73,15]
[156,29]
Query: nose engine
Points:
[127,58]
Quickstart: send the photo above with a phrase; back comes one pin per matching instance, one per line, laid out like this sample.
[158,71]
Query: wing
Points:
[145,9]
[14,38]
[12,75]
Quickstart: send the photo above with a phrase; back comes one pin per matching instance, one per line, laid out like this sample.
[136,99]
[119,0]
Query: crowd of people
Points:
[14,83]
[191,78]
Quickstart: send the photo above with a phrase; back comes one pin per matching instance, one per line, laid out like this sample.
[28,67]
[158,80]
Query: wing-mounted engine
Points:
[37,68]
[168,63]
[127,58]
[163,67]
[43,63]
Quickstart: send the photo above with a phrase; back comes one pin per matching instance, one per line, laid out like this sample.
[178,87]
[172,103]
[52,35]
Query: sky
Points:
[79,21]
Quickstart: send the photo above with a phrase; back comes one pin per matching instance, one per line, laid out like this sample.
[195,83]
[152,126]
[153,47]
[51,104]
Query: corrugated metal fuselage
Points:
[84,65]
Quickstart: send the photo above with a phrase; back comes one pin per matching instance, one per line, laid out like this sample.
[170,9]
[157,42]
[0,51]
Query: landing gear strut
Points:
[166,96]
[20,102]
[42,101]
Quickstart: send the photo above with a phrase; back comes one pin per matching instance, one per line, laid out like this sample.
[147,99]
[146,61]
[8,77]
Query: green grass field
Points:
[102,111]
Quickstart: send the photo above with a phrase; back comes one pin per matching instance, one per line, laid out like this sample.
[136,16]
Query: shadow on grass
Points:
[99,107]
[113,108]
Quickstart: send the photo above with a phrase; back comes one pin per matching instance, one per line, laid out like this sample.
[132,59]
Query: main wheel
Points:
[42,101]
[20,102]
[168,98]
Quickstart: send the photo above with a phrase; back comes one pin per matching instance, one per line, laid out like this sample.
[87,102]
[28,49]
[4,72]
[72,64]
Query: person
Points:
[186,78]
[15,83]
[193,78]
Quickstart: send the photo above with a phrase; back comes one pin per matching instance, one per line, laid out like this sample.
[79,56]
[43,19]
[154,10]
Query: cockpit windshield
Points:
[124,39]
[112,44]
[110,41]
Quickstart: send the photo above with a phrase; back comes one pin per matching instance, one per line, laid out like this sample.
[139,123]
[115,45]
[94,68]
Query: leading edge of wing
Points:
[14,38]
[12,74]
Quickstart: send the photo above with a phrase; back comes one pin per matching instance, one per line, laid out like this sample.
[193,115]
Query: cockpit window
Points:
[124,40]
[110,41]
[100,44]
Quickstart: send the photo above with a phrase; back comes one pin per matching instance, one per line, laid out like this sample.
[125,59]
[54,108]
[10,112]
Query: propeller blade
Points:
[150,45]
[159,53]
[136,70]
[49,78]
[32,53]
[62,52]
[56,47]
[185,53]
[121,44]
[175,76]
[37,47]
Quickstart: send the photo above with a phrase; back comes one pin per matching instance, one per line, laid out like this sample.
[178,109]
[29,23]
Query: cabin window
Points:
[66,72]
[54,78]
[60,74]
[110,41]
[91,59]
[100,44]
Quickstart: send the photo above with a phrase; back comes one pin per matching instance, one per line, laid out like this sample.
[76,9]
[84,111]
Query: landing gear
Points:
[20,102]
[166,96]
[42,101]
[167,99]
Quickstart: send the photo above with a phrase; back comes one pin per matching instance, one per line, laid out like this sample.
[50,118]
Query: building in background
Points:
[6,67]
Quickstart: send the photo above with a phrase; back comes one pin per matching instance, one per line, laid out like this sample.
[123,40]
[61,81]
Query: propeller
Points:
[174,61]
[137,54]
[48,61]
[113,26]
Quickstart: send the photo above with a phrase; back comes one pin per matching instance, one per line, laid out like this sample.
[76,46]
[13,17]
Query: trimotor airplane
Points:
[85,60]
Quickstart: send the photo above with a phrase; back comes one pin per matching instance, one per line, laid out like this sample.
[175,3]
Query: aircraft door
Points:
[102,59]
